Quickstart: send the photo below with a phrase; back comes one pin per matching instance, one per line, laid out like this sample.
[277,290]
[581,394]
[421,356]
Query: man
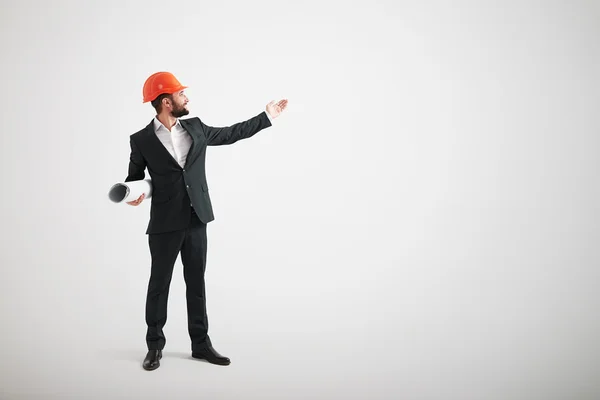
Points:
[174,152]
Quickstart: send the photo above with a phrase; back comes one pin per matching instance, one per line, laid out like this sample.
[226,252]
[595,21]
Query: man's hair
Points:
[157,102]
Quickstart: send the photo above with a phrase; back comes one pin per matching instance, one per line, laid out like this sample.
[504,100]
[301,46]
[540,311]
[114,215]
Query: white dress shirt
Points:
[177,141]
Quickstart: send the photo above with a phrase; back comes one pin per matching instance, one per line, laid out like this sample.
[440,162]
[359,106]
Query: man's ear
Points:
[166,102]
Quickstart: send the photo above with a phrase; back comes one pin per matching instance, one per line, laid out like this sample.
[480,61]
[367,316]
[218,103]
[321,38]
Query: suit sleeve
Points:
[137,164]
[231,134]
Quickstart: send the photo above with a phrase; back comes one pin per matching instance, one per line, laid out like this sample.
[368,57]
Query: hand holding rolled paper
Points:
[132,193]
[138,201]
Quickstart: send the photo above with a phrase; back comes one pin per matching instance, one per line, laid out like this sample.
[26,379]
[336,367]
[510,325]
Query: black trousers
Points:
[164,249]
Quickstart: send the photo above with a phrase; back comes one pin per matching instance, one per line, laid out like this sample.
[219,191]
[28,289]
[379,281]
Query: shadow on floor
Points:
[138,355]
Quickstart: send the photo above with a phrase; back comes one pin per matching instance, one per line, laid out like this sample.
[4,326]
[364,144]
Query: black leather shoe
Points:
[151,362]
[211,355]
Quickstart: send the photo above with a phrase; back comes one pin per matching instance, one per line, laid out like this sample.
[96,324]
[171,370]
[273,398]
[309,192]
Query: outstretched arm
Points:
[243,130]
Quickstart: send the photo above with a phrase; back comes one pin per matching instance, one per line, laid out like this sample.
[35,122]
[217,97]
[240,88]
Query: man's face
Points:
[180,101]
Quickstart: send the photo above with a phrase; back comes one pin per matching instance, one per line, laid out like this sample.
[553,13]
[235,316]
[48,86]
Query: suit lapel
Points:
[196,138]
[155,141]
[194,134]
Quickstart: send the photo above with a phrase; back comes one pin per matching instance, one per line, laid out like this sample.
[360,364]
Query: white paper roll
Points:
[123,192]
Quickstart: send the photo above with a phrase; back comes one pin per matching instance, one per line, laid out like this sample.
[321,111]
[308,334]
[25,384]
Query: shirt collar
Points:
[158,125]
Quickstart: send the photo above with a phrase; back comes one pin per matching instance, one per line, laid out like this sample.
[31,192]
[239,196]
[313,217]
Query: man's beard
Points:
[179,111]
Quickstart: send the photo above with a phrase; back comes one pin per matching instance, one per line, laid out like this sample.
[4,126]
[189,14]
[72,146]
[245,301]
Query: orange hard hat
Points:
[159,83]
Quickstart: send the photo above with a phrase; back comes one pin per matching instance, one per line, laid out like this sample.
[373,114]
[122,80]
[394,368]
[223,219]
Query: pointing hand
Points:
[274,109]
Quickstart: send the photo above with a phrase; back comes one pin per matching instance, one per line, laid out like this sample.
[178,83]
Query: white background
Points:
[421,223]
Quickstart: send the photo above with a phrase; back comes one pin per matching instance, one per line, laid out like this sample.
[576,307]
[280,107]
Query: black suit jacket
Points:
[176,189]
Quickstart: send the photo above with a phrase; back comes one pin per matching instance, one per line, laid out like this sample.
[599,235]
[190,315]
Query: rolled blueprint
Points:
[129,191]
